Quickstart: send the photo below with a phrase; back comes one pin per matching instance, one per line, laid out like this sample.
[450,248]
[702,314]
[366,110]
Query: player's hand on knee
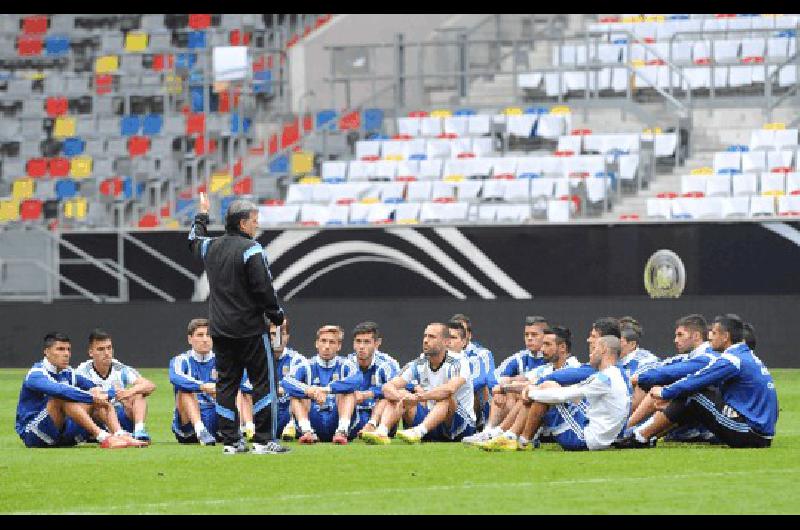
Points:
[99,396]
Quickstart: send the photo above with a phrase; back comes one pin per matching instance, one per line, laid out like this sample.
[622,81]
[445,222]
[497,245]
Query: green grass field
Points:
[430,478]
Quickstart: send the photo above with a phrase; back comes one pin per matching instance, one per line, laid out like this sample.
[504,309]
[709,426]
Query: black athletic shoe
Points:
[238,447]
[632,443]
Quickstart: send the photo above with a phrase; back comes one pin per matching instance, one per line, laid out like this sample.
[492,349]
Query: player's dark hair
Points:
[461,317]
[458,326]
[749,335]
[693,322]
[630,333]
[533,320]
[98,334]
[563,335]
[632,322]
[53,337]
[196,323]
[607,326]
[442,328]
[731,324]
[367,327]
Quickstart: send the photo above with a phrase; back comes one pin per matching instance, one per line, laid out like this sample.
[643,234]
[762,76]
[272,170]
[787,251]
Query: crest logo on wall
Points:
[664,275]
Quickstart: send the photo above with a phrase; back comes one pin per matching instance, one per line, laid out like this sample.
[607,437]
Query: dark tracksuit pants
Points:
[233,356]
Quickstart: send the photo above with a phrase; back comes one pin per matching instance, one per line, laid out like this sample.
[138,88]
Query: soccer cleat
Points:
[375,438]
[289,433]
[238,447]
[269,448]
[142,436]
[206,438]
[113,442]
[340,438]
[249,432]
[133,442]
[476,438]
[367,428]
[308,438]
[500,443]
[409,436]
[632,443]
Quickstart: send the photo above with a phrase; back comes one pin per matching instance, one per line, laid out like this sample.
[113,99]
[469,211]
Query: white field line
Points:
[378,491]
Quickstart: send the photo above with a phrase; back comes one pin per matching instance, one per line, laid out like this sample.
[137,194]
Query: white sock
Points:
[344,424]
[638,435]
[489,426]
[249,426]
[101,437]
[421,430]
[523,440]
[120,432]
[199,427]
[305,425]
[139,426]
[372,422]
[382,430]
[496,431]
[510,435]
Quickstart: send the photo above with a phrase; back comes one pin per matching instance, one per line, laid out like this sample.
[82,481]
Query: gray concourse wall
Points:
[148,333]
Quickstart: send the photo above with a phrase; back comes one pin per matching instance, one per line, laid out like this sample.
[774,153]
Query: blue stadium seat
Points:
[326,117]
[56,45]
[537,110]
[619,41]
[196,94]
[529,175]
[72,146]
[373,120]
[197,39]
[235,123]
[418,156]
[279,165]
[66,188]
[678,17]
[729,171]
[262,82]
[127,188]
[185,61]
[130,125]
[378,136]
[465,112]
[152,124]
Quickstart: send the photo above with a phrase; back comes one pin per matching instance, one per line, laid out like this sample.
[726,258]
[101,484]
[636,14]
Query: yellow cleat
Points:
[249,432]
[500,443]
[409,436]
[289,433]
[374,438]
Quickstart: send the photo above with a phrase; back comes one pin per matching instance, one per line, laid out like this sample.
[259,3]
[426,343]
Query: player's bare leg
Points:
[345,406]
[188,408]
[644,410]
[244,403]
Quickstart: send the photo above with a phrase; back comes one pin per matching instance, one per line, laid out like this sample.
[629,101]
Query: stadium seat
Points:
[76,208]
[148,221]
[34,24]
[106,64]
[30,210]
[36,167]
[73,146]
[56,106]
[130,125]
[58,167]
[373,120]
[135,41]
[138,146]
[22,189]
[81,167]
[28,46]
[197,40]
[9,210]
[152,124]
[195,124]
[64,127]
[66,189]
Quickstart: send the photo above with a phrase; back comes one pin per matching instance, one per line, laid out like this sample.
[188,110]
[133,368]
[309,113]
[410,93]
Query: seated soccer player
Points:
[193,375]
[487,357]
[634,359]
[328,419]
[286,361]
[595,424]
[733,395]
[513,369]
[693,353]
[516,430]
[56,406]
[441,406]
[131,388]
[362,389]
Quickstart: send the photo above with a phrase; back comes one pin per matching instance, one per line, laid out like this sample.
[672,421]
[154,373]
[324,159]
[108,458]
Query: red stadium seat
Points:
[781,169]
[56,106]
[196,124]
[273,202]
[667,195]
[465,155]
[36,167]
[35,24]
[406,179]
[444,200]
[244,186]
[504,176]
[200,145]
[580,174]
[402,137]
[309,223]
[112,187]
[345,201]
[564,153]
[308,122]
[370,158]
[58,167]
[138,145]
[350,121]
[753,59]
[199,21]
[237,40]
[30,210]
[447,136]
[629,217]
[273,144]
[29,46]
[581,132]
[694,195]
[290,134]
[163,61]
[418,114]
[237,168]
[148,221]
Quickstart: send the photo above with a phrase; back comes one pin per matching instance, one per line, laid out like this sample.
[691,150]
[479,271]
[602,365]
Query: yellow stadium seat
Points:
[654,18]
[23,189]
[702,171]
[394,157]
[64,127]
[633,19]
[136,41]
[169,222]
[9,210]
[310,179]
[654,130]
[106,64]
[774,126]
[560,110]
[773,193]
[80,167]
[441,113]
[637,63]
[174,84]
[302,162]
[221,183]
[370,200]
[36,76]
[75,208]
[512,111]
[407,222]
[453,178]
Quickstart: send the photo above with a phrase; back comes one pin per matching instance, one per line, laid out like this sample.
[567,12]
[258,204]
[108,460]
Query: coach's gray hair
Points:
[612,343]
[238,210]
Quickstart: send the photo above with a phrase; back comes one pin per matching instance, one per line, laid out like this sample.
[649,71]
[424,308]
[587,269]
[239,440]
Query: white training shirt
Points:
[546,369]
[608,400]
[420,372]
[121,375]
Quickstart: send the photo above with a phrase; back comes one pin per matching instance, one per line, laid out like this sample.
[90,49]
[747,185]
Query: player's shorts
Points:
[284,415]
[460,426]
[324,421]
[43,432]
[185,433]
[567,423]
[691,434]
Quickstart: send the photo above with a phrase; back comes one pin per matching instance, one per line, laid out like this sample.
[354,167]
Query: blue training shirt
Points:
[189,370]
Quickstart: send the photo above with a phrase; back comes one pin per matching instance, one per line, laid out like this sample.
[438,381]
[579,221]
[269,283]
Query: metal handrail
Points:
[55,274]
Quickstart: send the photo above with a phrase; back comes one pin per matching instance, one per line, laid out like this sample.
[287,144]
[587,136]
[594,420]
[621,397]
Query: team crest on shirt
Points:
[214,374]
[285,369]
[335,377]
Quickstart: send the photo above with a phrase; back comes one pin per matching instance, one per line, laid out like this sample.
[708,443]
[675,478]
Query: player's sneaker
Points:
[289,433]
[309,438]
[340,438]
[142,436]
[375,438]
[249,432]
[206,438]
[113,442]
[476,438]
[500,443]
[133,442]
[269,448]
[632,443]
[367,428]
[238,447]
[409,436]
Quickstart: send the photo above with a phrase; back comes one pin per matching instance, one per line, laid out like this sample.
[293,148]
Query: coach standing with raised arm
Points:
[241,296]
